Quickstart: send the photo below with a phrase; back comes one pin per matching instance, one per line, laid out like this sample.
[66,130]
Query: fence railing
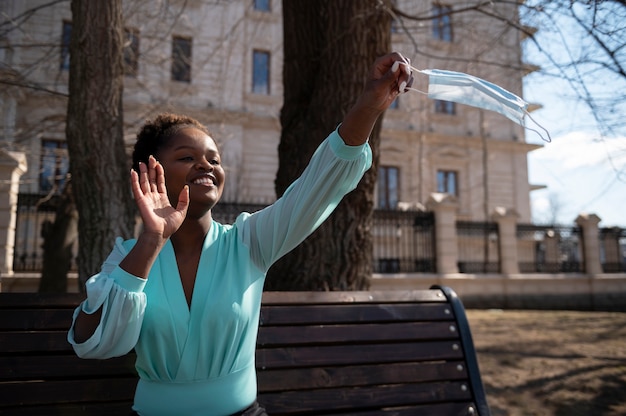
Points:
[34,211]
[613,249]
[403,241]
[549,249]
[478,247]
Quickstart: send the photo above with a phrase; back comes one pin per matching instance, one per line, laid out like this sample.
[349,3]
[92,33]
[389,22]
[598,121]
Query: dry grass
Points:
[544,363]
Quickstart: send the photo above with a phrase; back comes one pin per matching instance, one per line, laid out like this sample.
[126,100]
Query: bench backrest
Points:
[318,353]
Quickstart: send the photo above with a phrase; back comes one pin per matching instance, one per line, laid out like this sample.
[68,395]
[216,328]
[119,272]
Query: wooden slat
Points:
[40,300]
[369,398]
[10,300]
[356,333]
[44,367]
[67,391]
[122,408]
[350,313]
[361,375]
[33,342]
[411,296]
[35,319]
[363,354]
[439,409]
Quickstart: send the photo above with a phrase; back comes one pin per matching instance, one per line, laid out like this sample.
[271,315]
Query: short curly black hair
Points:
[155,134]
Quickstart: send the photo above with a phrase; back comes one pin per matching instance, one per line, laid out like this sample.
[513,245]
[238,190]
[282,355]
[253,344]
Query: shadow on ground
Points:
[561,363]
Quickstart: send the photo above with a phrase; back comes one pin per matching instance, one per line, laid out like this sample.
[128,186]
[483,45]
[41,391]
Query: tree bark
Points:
[329,46]
[98,161]
[59,239]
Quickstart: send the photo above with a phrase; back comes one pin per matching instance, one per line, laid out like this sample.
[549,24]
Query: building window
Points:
[131,52]
[445,107]
[388,187]
[442,23]
[261,72]
[447,182]
[65,45]
[181,59]
[54,166]
[262,5]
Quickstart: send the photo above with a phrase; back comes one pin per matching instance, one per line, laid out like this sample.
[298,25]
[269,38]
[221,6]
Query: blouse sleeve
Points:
[334,170]
[123,303]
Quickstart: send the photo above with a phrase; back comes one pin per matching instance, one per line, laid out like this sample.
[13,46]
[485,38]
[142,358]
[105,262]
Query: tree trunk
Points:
[329,46]
[98,161]
[59,239]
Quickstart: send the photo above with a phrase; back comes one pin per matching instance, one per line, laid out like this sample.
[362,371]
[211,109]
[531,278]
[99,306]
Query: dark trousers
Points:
[254,410]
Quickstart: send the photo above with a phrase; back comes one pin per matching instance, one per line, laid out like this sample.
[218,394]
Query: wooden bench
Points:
[318,353]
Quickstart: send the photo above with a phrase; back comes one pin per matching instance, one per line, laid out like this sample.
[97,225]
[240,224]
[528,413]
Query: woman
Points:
[186,293]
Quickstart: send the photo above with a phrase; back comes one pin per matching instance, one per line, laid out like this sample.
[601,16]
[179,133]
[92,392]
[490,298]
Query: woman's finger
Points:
[134,184]
[160,179]
[144,183]
[152,175]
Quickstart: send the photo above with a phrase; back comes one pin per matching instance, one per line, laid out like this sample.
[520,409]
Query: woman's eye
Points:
[214,162]
[186,158]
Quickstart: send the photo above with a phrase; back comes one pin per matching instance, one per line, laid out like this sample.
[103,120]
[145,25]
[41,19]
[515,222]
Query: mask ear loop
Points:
[415,89]
[549,139]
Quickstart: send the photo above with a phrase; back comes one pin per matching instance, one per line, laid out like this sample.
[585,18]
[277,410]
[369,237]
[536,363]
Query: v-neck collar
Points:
[172,282]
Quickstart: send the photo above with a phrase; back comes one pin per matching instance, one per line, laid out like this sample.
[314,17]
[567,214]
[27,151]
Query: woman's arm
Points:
[108,322]
[334,170]
[160,221]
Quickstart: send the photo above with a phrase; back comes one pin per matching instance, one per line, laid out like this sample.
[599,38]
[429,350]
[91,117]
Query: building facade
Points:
[221,62]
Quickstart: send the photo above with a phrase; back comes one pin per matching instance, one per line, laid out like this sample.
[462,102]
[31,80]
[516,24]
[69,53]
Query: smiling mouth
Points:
[205,181]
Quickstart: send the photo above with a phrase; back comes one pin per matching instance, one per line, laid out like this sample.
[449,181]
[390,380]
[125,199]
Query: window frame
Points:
[385,199]
[55,160]
[264,6]
[66,39]
[261,83]
[443,181]
[181,59]
[442,27]
[445,107]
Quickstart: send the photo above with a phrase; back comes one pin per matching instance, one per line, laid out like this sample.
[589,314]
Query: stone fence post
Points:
[590,242]
[507,239]
[12,167]
[445,207]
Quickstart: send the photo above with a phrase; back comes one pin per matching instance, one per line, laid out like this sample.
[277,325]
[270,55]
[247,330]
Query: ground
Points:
[561,363]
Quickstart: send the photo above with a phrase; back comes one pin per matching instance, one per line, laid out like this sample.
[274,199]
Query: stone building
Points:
[221,62]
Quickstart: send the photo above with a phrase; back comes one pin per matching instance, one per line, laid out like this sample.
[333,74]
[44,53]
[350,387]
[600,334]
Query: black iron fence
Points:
[613,249]
[549,249]
[403,241]
[34,212]
[478,247]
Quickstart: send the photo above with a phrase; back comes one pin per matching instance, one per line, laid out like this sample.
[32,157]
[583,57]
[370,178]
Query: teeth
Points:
[203,181]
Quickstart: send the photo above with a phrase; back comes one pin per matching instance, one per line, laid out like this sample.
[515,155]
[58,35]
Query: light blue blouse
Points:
[199,360]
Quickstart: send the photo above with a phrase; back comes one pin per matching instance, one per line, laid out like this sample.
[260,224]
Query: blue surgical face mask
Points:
[470,90]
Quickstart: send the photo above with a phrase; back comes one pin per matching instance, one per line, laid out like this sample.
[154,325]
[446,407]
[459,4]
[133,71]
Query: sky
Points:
[580,169]
[583,171]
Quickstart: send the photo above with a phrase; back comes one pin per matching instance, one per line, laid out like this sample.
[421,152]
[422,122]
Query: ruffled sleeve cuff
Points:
[342,150]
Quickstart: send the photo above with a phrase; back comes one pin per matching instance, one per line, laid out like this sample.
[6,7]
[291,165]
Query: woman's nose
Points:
[204,164]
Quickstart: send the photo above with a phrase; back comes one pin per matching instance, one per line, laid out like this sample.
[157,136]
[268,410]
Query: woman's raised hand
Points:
[387,78]
[150,193]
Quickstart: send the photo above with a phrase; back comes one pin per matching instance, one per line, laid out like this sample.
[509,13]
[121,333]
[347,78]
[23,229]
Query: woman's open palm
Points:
[150,194]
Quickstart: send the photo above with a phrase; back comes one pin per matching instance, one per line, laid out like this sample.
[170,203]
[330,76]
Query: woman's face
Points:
[191,158]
